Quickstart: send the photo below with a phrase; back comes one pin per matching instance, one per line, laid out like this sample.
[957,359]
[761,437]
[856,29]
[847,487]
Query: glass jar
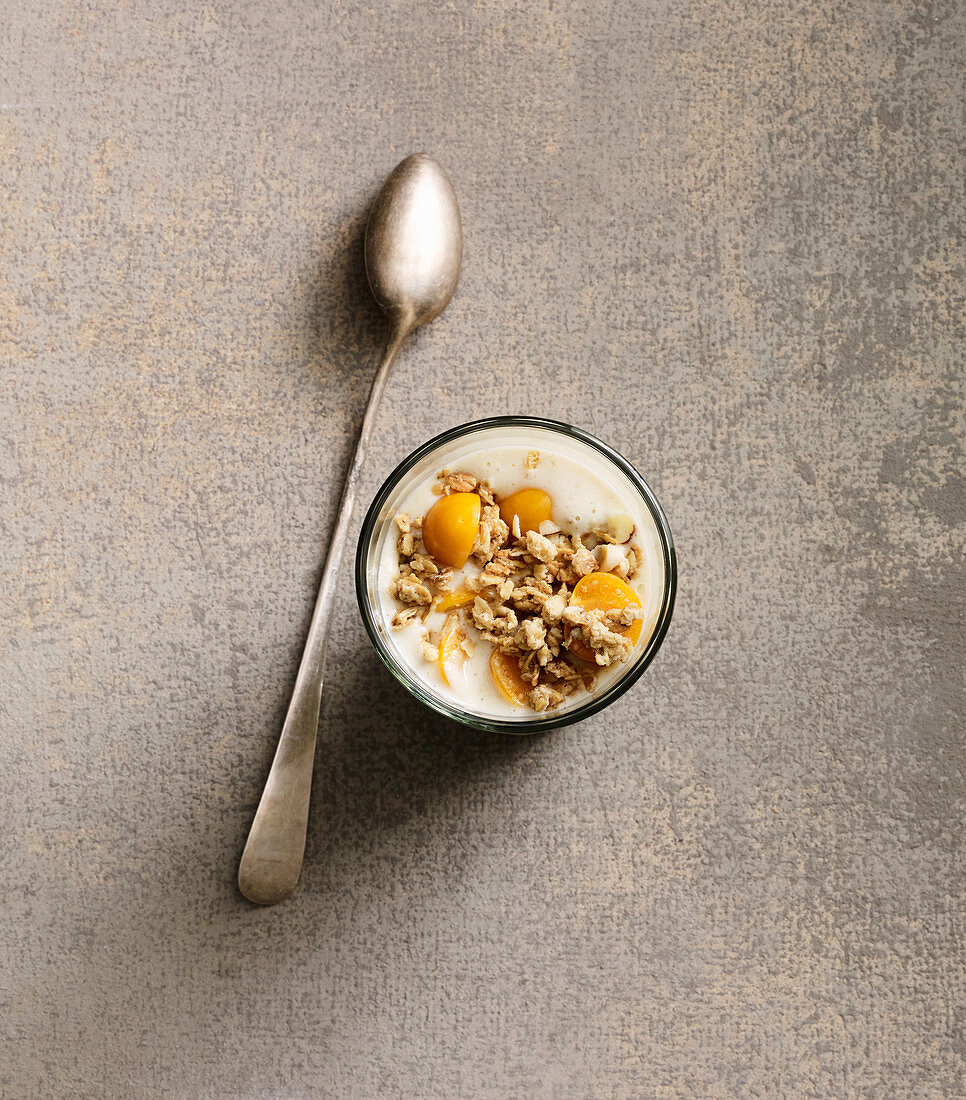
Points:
[474,438]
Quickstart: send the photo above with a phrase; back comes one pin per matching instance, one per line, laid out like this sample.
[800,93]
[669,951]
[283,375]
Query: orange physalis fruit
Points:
[532,506]
[602,592]
[450,528]
[450,641]
[461,597]
[506,675]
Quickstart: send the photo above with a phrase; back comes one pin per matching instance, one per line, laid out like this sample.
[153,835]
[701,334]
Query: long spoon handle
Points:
[272,859]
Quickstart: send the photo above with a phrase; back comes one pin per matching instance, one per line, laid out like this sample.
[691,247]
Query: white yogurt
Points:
[586,489]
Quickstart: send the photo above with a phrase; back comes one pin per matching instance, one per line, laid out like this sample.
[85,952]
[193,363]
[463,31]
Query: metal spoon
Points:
[414,247]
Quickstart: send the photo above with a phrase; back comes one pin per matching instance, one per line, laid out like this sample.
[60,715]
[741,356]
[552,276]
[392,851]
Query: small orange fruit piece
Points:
[460,597]
[506,675]
[532,506]
[602,592]
[450,528]
[450,641]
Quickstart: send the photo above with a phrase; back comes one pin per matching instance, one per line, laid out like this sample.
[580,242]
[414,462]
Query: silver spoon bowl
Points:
[414,250]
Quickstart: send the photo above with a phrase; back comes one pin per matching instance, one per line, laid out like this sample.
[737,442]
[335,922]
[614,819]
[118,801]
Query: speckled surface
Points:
[726,236]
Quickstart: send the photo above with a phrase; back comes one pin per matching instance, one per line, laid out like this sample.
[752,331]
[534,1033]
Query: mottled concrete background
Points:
[725,235]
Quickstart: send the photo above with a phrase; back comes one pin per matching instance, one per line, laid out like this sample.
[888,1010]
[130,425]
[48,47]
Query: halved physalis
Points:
[450,528]
[459,597]
[602,592]
[450,642]
[531,506]
[505,671]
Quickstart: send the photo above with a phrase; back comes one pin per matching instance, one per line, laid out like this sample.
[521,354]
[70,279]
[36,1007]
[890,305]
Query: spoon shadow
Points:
[342,323]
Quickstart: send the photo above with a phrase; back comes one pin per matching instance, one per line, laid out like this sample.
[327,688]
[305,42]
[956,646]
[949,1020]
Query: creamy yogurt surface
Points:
[586,488]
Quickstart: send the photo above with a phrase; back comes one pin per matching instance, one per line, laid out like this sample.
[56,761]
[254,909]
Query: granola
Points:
[516,592]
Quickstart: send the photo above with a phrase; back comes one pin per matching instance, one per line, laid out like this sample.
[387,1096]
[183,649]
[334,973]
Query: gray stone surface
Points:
[726,236]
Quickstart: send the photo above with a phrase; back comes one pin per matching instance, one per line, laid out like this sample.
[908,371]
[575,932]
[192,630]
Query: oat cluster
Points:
[519,599]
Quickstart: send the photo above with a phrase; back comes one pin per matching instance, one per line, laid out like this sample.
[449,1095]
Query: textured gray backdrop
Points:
[726,236]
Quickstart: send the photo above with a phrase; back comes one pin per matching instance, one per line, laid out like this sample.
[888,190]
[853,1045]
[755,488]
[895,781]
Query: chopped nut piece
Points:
[554,608]
[404,522]
[609,557]
[620,526]
[540,547]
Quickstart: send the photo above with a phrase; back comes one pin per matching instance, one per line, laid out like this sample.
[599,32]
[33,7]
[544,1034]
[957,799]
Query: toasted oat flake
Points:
[458,483]
[404,617]
[583,562]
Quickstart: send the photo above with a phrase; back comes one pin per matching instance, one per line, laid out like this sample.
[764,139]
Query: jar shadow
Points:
[395,768]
